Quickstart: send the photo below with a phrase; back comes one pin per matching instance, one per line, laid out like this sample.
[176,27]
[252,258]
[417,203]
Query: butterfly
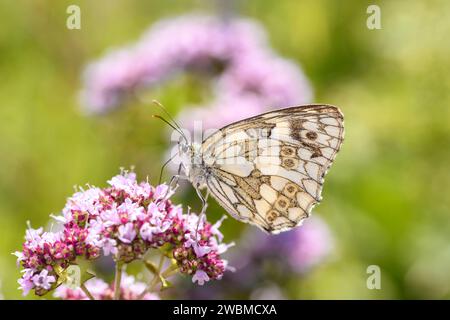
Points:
[267,170]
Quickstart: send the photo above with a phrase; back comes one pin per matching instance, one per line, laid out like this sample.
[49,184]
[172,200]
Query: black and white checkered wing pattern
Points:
[269,170]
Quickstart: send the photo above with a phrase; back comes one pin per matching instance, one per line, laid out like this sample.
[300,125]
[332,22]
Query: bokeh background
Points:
[385,200]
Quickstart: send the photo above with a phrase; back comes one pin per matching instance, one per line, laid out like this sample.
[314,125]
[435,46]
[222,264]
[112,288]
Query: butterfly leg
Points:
[204,200]
[175,178]
[173,183]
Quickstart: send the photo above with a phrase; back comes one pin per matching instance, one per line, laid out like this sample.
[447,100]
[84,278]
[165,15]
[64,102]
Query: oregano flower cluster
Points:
[124,220]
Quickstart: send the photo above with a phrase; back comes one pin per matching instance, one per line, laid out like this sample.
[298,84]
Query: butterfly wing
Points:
[268,170]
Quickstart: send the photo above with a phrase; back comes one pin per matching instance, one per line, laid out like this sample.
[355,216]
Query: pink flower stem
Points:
[117,280]
[86,292]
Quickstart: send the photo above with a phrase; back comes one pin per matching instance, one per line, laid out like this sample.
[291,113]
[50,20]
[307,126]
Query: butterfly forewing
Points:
[268,170]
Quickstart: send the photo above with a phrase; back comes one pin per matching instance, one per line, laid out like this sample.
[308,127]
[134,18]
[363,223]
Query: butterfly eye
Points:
[199,181]
[183,146]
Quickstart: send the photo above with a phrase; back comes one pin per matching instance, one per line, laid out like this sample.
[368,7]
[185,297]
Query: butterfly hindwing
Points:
[268,170]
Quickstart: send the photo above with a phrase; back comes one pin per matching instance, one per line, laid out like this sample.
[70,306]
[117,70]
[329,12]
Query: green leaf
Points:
[151,267]
[164,283]
[87,275]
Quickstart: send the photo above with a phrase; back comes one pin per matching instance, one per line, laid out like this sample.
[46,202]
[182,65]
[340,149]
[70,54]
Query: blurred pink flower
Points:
[302,248]
[310,244]
[225,110]
[130,289]
[234,53]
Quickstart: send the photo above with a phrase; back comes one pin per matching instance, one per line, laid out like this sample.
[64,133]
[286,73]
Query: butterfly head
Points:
[189,153]
[191,161]
[184,147]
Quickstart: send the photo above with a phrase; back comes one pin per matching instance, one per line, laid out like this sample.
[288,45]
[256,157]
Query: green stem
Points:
[150,288]
[156,278]
[153,284]
[170,271]
[86,292]
[117,280]
[161,262]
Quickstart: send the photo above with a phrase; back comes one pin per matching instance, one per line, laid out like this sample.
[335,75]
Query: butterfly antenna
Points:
[170,125]
[157,103]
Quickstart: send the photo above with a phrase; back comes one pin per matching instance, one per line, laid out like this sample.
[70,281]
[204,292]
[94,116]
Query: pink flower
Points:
[146,231]
[129,210]
[200,250]
[125,220]
[26,283]
[109,246]
[127,233]
[43,280]
[162,191]
[33,234]
[111,216]
[125,181]
[215,228]
[223,247]
[20,257]
[201,277]
[154,212]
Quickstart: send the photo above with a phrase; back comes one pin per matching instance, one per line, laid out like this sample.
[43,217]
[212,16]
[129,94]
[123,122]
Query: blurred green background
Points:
[386,199]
